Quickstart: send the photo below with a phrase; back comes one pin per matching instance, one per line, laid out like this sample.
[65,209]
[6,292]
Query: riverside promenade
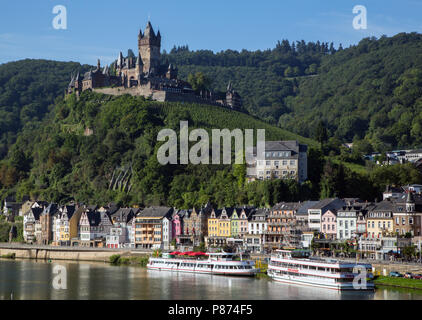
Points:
[46,252]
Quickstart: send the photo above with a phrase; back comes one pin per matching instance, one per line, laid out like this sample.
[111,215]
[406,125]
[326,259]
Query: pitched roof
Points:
[51,209]
[303,209]
[122,215]
[94,218]
[36,212]
[287,206]
[329,203]
[385,205]
[155,212]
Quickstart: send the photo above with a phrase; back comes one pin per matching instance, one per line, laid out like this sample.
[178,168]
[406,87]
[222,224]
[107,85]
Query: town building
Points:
[257,224]
[177,224]
[282,228]
[29,220]
[302,212]
[281,160]
[329,224]
[407,215]
[316,211]
[379,219]
[392,192]
[195,225]
[254,243]
[119,236]
[66,215]
[46,220]
[167,233]
[94,226]
[239,221]
[351,221]
[149,227]
[219,227]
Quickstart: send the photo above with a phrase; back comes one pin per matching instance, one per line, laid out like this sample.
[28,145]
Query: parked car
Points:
[395,274]
[408,275]
[417,276]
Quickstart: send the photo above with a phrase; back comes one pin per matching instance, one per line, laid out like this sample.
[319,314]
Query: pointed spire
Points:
[140,33]
[72,80]
[120,60]
[98,64]
[149,31]
[77,77]
[106,70]
[139,60]
[229,86]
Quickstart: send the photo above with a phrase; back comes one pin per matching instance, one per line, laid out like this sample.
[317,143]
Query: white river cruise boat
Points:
[297,267]
[216,263]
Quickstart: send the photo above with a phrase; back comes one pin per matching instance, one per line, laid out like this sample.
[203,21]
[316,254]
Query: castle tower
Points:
[149,46]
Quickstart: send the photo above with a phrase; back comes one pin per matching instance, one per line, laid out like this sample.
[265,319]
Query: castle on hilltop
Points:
[144,75]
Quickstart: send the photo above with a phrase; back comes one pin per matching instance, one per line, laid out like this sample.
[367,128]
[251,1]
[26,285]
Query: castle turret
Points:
[120,60]
[149,46]
[106,71]
[139,64]
[171,72]
[233,99]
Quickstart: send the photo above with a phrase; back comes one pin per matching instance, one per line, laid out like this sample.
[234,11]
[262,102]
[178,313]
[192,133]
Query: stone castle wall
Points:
[156,95]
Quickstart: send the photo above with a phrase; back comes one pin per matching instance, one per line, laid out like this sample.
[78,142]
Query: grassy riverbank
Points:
[398,282]
[118,260]
[8,256]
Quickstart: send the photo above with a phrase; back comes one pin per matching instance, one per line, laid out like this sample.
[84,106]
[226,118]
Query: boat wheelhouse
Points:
[298,267]
[215,263]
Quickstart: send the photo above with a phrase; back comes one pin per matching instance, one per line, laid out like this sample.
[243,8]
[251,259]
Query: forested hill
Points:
[370,91]
[116,160]
[28,89]
[59,161]
[263,78]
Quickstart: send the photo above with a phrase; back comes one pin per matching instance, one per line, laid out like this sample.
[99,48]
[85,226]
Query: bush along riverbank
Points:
[262,274]
[118,260]
[8,256]
[398,282]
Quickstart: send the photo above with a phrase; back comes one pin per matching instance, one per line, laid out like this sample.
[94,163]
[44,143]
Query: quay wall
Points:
[400,267]
[55,253]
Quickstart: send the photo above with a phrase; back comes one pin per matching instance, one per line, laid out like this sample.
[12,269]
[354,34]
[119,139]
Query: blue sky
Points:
[101,29]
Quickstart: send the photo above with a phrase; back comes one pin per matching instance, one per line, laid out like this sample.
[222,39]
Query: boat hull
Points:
[224,268]
[222,273]
[317,284]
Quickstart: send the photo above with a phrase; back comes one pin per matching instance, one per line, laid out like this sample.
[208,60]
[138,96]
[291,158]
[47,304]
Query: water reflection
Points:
[28,279]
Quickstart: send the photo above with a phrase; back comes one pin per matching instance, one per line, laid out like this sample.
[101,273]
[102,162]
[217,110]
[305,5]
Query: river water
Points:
[29,279]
